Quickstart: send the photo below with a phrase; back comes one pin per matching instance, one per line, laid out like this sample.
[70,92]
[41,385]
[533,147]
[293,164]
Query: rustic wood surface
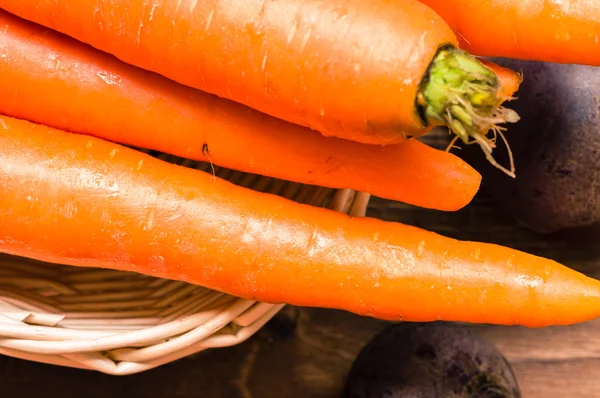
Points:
[308,352]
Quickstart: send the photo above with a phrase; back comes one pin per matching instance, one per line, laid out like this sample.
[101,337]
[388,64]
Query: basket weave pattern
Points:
[122,323]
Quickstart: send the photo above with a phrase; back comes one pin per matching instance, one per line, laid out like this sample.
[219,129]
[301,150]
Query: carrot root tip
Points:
[461,93]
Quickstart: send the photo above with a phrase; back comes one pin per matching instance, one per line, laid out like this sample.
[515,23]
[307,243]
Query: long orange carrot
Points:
[564,31]
[54,80]
[82,201]
[372,71]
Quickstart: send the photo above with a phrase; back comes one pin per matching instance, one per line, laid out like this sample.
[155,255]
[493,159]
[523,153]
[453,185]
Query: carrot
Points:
[373,71]
[83,201]
[509,80]
[563,31]
[121,103]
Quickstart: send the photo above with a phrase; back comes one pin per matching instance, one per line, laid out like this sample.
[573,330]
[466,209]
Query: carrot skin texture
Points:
[347,68]
[550,31]
[51,79]
[82,201]
[509,80]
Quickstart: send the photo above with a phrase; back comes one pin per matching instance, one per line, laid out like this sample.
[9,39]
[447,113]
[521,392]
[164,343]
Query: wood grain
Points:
[554,361]
[559,379]
[552,344]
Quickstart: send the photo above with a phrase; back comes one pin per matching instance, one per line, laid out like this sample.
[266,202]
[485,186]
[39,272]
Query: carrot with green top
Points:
[83,201]
[373,71]
[565,31]
[52,79]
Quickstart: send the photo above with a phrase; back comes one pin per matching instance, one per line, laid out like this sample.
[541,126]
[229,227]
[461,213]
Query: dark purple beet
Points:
[429,360]
[556,145]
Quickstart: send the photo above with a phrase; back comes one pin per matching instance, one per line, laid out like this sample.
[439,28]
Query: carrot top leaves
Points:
[461,93]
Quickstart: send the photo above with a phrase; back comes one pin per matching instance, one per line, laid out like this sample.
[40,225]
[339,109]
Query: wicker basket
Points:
[123,323]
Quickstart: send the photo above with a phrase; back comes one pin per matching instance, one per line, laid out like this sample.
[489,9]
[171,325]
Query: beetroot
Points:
[425,360]
[556,147]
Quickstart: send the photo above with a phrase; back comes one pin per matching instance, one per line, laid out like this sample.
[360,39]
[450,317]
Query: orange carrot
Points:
[82,201]
[54,80]
[372,71]
[510,81]
[564,31]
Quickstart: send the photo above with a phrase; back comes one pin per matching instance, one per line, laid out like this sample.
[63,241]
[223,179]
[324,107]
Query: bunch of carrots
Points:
[332,93]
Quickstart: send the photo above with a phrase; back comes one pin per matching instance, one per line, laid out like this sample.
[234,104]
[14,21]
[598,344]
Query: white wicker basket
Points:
[123,323]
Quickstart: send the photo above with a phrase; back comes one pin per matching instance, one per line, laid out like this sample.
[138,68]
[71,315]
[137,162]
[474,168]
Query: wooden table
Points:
[312,358]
